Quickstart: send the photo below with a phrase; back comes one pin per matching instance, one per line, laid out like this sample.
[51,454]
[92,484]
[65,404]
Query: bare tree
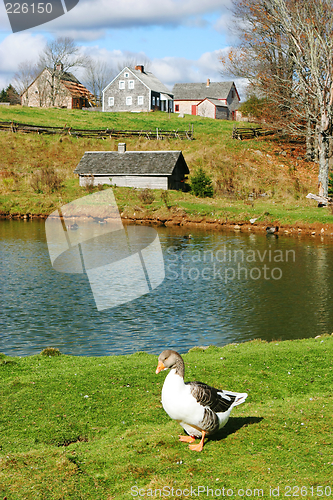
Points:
[62,51]
[262,58]
[60,56]
[26,73]
[309,27]
[96,77]
[289,44]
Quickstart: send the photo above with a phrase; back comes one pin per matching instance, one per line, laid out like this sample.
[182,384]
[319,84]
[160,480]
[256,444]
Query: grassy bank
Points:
[269,169]
[93,428]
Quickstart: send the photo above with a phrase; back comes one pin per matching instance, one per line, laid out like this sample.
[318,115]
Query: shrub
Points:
[46,179]
[253,106]
[89,183]
[201,184]
[50,351]
[165,198]
[146,196]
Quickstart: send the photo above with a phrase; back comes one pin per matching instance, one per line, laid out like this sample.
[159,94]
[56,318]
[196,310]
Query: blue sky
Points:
[181,39]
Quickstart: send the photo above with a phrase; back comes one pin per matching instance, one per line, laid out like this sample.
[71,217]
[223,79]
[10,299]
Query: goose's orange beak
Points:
[160,367]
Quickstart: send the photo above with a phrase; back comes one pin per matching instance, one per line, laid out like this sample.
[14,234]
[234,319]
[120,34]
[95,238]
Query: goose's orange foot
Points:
[199,446]
[186,439]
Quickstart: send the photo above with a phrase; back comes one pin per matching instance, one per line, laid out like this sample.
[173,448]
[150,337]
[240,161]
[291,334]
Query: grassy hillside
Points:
[94,428]
[272,171]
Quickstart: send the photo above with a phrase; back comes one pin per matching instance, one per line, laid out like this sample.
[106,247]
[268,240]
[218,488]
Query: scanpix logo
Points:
[24,15]
[87,236]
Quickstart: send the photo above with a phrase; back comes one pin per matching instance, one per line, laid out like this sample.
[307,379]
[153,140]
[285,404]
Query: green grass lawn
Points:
[94,428]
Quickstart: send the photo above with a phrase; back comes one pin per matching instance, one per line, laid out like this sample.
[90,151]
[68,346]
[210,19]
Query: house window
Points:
[121,84]
[126,75]
[111,101]
[140,100]
[131,84]
[153,100]
[129,101]
[157,101]
[176,107]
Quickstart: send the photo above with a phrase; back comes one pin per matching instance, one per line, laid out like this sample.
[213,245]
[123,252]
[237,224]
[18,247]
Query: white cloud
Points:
[102,14]
[171,70]
[18,48]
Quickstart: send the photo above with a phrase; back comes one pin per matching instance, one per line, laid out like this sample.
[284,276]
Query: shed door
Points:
[194,109]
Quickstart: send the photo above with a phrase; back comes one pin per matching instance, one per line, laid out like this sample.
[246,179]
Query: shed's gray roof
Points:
[196,91]
[151,81]
[130,163]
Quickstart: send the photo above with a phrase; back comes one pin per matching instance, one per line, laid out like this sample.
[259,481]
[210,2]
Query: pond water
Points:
[219,287]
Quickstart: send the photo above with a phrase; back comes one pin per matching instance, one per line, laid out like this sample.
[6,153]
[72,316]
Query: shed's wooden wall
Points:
[223,113]
[206,109]
[136,181]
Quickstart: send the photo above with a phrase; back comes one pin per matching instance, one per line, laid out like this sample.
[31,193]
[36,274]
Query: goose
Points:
[73,227]
[272,229]
[199,408]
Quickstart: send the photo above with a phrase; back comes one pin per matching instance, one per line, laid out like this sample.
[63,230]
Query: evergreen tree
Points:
[201,184]
[3,96]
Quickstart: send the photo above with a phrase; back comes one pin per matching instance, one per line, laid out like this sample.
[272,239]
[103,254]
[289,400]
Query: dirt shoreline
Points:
[313,229]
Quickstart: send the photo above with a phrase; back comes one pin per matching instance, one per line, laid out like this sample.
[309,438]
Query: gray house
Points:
[137,90]
[139,169]
[211,99]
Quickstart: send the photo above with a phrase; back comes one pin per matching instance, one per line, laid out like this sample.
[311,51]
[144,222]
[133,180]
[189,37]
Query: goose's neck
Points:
[179,368]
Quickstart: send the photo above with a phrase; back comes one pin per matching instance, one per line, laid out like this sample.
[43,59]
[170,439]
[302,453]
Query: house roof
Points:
[216,102]
[199,91]
[130,163]
[148,79]
[77,89]
[151,81]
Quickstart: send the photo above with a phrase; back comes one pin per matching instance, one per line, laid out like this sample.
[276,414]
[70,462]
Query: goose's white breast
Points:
[178,401]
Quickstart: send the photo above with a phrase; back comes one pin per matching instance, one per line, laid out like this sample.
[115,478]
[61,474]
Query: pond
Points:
[219,287]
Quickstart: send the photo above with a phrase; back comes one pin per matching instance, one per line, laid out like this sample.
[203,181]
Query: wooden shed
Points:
[213,108]
[139,169]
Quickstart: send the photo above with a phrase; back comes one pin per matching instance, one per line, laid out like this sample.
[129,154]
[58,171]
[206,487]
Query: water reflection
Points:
[219,288]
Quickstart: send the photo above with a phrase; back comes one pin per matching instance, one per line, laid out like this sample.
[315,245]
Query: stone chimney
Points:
[59,66]
[122,147]
[208,82]
[140,68]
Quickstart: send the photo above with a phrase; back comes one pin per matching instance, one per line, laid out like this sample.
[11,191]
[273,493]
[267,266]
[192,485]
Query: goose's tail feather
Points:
[240,397]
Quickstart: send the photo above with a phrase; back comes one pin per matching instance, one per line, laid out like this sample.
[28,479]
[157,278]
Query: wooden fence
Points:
[249,132]
[99,133]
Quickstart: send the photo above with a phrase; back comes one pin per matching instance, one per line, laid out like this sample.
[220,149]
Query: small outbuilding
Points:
[213,108]
[139,169]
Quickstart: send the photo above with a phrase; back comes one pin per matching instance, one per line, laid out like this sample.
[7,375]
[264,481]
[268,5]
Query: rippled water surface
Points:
[219,288]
